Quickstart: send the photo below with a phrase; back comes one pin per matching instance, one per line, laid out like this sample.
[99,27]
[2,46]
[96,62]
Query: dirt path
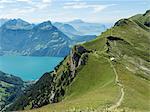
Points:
[118,103]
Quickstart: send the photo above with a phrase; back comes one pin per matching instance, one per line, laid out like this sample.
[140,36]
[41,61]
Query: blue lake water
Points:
[28,67]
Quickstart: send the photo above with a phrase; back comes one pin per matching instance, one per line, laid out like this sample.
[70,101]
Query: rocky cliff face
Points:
[51,87]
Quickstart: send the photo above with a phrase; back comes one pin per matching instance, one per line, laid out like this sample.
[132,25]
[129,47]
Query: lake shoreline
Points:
[28,68]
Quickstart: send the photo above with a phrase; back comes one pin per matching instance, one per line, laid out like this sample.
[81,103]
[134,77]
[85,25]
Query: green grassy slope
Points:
[10,88]
[116,76]
[3,92]
[89,89]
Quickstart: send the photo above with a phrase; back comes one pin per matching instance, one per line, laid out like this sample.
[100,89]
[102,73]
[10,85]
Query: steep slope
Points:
[47,40]
[110,73]
[19,37]
[142,18]
[10,88]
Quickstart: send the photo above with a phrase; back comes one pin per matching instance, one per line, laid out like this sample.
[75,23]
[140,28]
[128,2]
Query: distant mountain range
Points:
[69,30]
[79,27]
[19,37]
[86,28]
[75,35]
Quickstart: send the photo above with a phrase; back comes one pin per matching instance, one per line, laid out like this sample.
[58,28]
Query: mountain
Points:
[73,34]
[16,24]
[144,19]
[108,74]
[19,37]
[86,28]
[80,31]
[2,21]
[10,88]
[69,30]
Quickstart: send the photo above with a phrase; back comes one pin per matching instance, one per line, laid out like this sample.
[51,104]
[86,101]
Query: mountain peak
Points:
[16,24]
[122,22]
[78,21]
[17,21]
[147,12]
[47,22]
[45,25]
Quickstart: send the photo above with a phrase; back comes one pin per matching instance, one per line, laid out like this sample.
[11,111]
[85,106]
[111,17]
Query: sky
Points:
[102,11]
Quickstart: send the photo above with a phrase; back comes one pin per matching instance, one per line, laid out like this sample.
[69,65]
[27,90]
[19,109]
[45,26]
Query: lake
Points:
[28,67]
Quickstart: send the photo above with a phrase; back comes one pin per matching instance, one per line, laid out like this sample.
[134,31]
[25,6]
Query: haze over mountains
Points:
[79,27]
[2,21]
[76,34]
[87,28]
[19,37]
[108,74]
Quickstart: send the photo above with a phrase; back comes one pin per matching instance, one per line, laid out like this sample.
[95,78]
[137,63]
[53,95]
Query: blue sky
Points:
[102,11]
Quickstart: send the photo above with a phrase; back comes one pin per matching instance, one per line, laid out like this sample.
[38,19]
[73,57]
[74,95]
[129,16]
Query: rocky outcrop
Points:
[147,24]
[51,87]
[123,22]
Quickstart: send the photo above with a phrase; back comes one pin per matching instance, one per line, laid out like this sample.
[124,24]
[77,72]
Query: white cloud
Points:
[98,8]
[23,11]
[47,1]
[83,5]
[21,8]
[20,12]
[29,2]
[76,0]
[1,7]
[43,4]
[23,0]
[6,1]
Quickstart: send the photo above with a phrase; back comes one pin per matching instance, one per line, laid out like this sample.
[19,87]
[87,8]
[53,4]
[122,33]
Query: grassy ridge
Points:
[89,89]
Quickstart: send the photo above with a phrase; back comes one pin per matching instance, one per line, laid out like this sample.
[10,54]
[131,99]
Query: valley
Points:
[11,87]
[74,55]
[107,74]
